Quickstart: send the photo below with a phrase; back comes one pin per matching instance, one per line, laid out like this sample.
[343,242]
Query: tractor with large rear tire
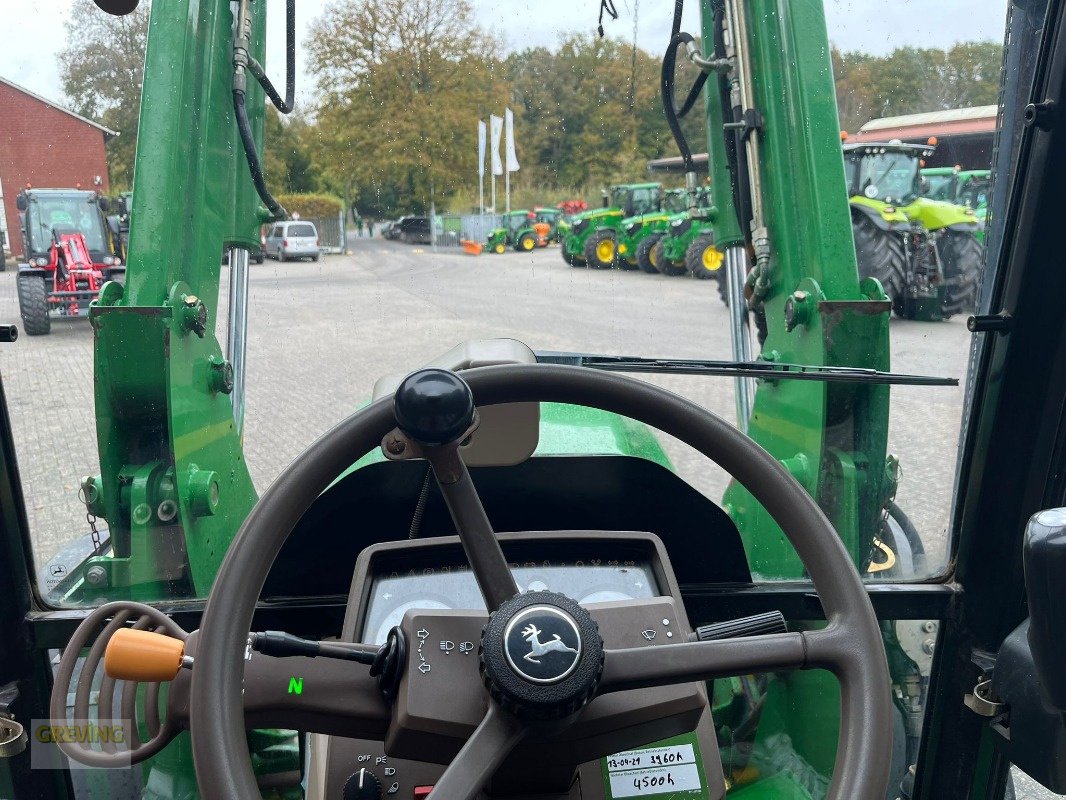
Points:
[926,253]
[687,244]
[634,231]
[592,237]
[70,255]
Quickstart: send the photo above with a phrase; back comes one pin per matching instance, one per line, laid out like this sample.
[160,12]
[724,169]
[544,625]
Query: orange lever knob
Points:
[134,655]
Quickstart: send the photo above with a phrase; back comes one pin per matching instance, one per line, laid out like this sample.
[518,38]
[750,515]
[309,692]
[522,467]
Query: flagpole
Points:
[507,188]
[494,193]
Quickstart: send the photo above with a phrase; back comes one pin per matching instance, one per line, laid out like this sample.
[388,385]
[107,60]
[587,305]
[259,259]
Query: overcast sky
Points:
[32,35]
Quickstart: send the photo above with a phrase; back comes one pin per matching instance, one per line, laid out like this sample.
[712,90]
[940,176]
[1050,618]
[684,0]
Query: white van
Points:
[292,239]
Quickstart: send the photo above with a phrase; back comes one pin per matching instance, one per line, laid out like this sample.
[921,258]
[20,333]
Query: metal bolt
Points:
[96,575]
[797,309]
[194,314]
[928,626]
[221,379]
[396,446]
[927,646]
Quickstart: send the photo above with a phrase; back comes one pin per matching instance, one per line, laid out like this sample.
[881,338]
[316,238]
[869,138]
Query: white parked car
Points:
[293,239]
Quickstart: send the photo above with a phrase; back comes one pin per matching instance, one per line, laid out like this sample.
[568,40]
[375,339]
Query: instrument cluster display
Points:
[452,586]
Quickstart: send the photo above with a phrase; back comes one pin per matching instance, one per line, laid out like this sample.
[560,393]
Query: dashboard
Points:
[409,581]
[598,577]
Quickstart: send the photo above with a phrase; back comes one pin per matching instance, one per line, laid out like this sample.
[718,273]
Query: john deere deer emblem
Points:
[542,644]
[532,635]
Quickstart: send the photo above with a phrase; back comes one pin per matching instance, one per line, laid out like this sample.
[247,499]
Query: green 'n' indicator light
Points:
[296,685]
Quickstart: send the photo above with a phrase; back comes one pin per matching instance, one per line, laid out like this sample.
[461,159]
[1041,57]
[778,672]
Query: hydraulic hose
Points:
[242,60]
[284,106]
[666,85]
[255,167]
[738,167]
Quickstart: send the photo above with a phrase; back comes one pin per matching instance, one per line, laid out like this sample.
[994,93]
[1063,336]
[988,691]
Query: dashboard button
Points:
[422,792]
[363,785]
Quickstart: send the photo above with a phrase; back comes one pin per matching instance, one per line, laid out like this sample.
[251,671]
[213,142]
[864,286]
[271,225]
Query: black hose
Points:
[666,85]
[693,95]
[240,111]
[284,106]
[914,539]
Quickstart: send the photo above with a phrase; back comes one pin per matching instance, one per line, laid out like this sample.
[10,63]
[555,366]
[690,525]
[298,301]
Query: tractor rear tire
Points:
[663,264]
[527,243]
[601,250]
[644,253]
[961,257]
[703,259]
[33,305]
[880,255]
[571,259]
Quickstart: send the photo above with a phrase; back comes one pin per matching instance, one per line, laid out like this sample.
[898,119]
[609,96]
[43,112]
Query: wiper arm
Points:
[770,370]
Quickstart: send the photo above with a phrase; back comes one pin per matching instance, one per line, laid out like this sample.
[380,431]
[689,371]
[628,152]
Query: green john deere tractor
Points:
[516,232]
[591,240]
[964,187]
[687,244]
[551,217]
[925,253]
[637,235]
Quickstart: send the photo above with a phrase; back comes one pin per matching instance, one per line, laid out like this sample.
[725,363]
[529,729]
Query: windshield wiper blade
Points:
[771,370]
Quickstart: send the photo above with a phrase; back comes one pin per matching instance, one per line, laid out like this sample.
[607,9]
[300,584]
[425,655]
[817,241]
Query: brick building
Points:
[46,146]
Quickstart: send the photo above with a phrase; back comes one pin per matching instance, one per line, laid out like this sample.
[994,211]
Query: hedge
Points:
[311,206]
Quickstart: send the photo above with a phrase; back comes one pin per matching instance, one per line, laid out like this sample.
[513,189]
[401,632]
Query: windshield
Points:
[67,214]
[813,302]
[892,177]
[939,187]
[674,202]
[975,193]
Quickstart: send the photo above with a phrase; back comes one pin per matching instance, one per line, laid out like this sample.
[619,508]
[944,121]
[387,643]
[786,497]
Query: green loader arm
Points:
[173,483]
[832,437]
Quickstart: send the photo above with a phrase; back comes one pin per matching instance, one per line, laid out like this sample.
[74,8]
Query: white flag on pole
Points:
[496,129]
[481,135]
[512,158]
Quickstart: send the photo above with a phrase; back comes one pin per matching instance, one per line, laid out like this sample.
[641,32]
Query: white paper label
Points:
[653,771]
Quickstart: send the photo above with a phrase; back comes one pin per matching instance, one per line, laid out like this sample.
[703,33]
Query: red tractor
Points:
[70,254]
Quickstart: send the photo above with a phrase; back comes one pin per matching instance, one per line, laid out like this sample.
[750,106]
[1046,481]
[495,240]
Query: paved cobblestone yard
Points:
[321,333]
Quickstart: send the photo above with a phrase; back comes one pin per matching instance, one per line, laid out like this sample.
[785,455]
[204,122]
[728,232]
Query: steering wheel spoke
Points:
[663,665]
[483,752]
[435,412]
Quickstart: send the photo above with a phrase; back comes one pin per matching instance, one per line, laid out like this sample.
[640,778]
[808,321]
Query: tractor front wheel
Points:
[880,255]
[960,259]
[33,305]
[601,252]
[663,264]
[703,259]
[527,242]
[644,253]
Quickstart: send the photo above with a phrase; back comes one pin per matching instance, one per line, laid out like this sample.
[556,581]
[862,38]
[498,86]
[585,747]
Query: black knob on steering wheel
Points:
[434,406]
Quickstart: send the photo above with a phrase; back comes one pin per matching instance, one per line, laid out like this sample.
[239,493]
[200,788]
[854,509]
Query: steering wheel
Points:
[432,412]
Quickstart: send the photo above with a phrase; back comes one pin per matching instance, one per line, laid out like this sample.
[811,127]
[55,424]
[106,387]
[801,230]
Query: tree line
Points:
[400,84]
